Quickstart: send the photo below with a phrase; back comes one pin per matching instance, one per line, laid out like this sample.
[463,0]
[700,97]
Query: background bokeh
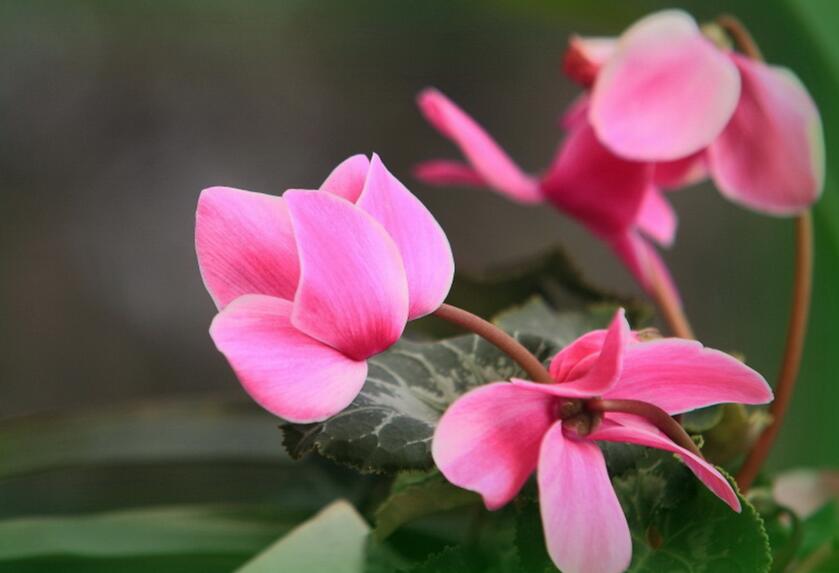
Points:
[116,115]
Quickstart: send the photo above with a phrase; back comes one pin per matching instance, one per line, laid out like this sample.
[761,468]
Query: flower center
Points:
[577,418]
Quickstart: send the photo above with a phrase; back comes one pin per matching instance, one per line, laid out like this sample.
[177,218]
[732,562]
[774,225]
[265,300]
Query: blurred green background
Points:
[116,115]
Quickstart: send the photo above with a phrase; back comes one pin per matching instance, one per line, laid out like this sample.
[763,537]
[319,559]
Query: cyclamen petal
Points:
[679,375]
[353,292]
[483,153]
[633,430]
[245,245]
[666,93]
[423,246]
[488,440]
[585,528]
[657,219]
[447,172]
[771,155]
[347,179]
[285,371]
[585,57]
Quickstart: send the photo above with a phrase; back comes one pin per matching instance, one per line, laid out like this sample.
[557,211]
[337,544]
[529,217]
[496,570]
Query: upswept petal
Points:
[353,294]
[426,253]
[771,155]
[488,159]
[286,372]
[488,440]
[590,183]
[588,344]
[245,245]
[347,180]
[657,219]
[446,172]
[597,372]
[679,375]
[585,57]
[667,92]
[634,430]
[585,528]
[690,170]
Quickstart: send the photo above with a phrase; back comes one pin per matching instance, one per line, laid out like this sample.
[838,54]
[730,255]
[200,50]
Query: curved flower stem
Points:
[799,310]
[661,419]
[670,307]
[796,332]
[494,335]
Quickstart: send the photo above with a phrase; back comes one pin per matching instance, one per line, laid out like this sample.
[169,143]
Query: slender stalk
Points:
[661,419]
[796,332]
[799,309]
[494,335]
[670,307]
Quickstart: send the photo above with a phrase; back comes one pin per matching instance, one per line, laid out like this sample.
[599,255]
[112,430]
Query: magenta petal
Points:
[771,155]
[488,440]
[683,172]
[347,180]
[585,57]
[245,245]
[657,219]
[286,372]
[666,93]
[425,250]
[353,294]
[633,430]
[488,159]
[442,172]
[644,263]
[678,375]
[585,528]
[576,114]
[593,185]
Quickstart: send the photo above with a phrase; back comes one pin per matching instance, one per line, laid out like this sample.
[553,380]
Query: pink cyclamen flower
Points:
[616,199]
[662,91]
[311,284]
[494,437]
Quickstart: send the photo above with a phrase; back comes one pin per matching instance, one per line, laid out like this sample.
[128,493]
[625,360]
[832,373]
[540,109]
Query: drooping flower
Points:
[494,437]
[615,198]
[662,91]
[311,284]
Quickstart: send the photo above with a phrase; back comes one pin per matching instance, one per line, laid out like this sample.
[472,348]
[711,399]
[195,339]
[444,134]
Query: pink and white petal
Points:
[770,157]
[347,180]
[597,372]
[666,93]
[286,372]
[585,528]
[245,245]
[595,186]
[634,430]
[444,172]
[353,294]
[488,440]
[488,159]
[585,56]
[425,250]
[679,375]
[657,219]
[690,170]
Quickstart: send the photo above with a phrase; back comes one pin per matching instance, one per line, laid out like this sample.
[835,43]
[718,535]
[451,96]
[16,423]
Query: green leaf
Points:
[389,426]
[417,495]
[332,541]
[821,529]
[536,317]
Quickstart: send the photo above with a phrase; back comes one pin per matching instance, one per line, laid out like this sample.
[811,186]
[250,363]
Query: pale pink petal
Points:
[585,528]
[678,375]
[690,170]
[286,372]
[347,180]
[771,155]
[488,440]
[488,159]
[667,92]
[634,430]
[245,245]
[423,245]
[657,219]
[443,172]
[588,182]
[353,294]
[596,374]
[585,56]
